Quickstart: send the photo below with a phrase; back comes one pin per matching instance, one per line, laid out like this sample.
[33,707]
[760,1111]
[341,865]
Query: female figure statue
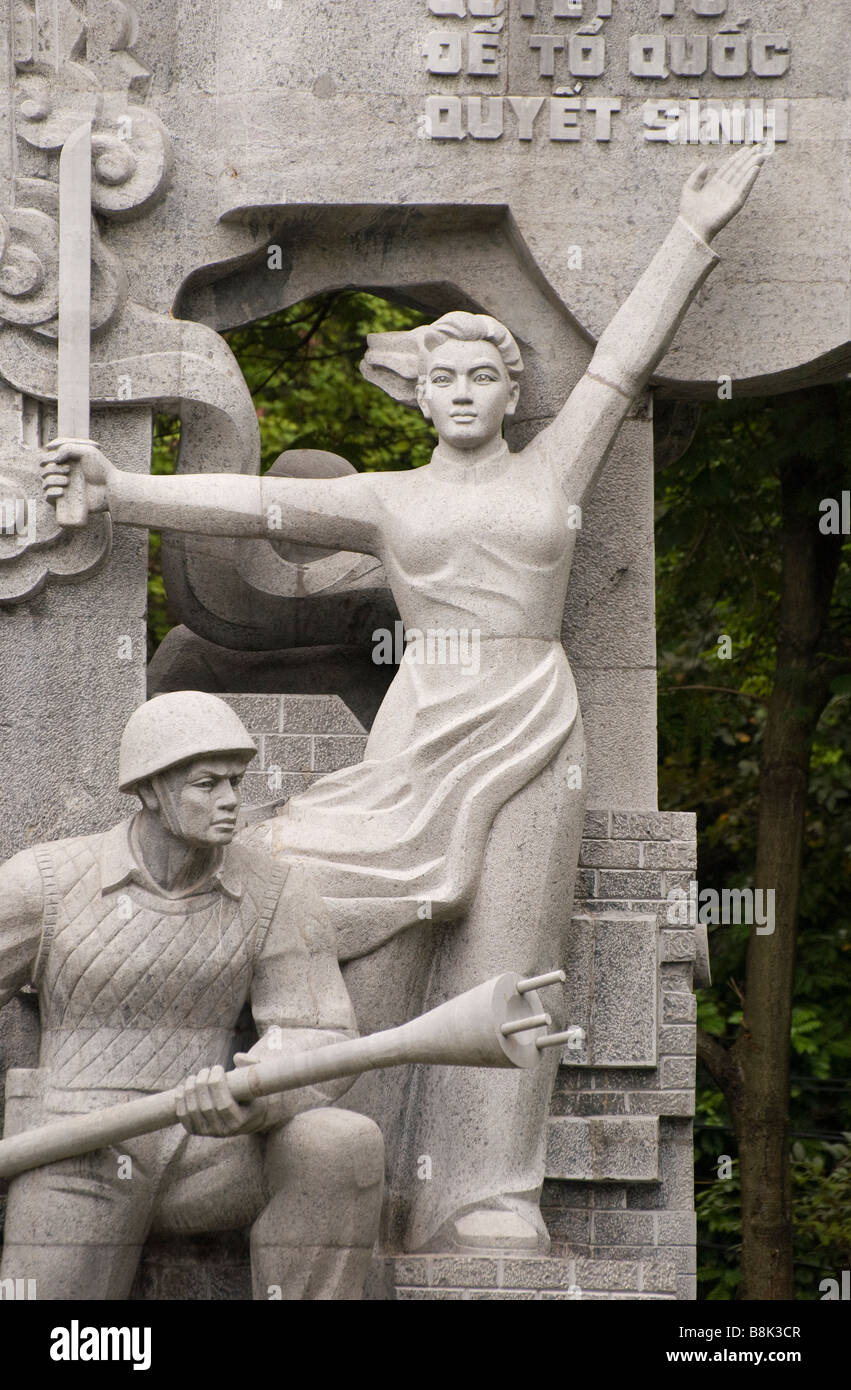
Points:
[449,853]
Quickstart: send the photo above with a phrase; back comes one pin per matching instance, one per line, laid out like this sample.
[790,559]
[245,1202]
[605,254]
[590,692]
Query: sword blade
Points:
[75,288]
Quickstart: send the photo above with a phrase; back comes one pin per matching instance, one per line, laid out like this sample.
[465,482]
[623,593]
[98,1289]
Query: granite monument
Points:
[516,161]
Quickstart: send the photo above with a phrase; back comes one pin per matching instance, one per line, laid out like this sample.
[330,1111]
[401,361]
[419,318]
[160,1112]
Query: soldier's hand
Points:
[205,1105]
[62,455]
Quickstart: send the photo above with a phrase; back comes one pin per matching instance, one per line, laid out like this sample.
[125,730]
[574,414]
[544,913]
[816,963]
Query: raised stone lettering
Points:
[715,122]
[770,55]
[705,8]
[647,55]
[443,118]
[729,55]
[563,118]
[587,56]
[547,45]
[454,7]
[688,54]
[603,108]
[711,129]
[484,117]
[661,120]
[444,52]
[776,121]
[689,132]
[483,60]
[525,109]
[14,516]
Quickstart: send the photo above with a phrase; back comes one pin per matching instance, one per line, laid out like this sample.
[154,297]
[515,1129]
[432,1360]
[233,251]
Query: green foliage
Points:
[821,1205]
[718,572]
[719,1232]
[302,370]
[821,1192]
[163,460]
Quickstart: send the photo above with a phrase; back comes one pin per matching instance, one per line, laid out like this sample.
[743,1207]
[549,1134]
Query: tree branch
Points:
[715,689]
[721,1065]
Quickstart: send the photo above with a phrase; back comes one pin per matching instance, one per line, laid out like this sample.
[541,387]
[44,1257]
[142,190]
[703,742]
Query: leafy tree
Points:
[759,745]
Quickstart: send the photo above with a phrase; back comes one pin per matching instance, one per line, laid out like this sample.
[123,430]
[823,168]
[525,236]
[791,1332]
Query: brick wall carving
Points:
[620,1163]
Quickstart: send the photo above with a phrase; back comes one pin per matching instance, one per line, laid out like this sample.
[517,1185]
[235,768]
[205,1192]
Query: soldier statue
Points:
[144,944]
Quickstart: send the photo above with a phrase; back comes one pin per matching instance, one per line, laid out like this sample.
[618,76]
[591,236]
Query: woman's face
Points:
[465,392]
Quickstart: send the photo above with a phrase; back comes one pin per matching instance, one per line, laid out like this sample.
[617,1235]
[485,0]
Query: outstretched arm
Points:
[339,513]
[580,438]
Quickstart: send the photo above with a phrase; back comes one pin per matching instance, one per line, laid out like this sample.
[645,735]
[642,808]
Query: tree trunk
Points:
[800,692]
[754,1073]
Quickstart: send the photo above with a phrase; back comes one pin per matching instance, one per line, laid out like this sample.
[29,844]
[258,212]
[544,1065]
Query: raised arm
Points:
[580,438]
[339,513]
[21,916]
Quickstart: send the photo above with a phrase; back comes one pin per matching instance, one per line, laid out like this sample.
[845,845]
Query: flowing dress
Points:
[479,560]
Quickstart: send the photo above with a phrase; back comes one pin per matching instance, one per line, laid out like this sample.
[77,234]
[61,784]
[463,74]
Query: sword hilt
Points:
[72,509]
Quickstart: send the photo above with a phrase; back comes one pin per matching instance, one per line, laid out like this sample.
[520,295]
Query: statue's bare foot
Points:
[486,1229]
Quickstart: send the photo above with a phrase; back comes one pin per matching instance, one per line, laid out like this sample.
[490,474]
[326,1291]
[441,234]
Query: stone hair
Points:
[396,361]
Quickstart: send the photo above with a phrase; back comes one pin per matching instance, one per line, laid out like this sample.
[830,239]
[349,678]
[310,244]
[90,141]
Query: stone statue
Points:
[452,847]
[145,943]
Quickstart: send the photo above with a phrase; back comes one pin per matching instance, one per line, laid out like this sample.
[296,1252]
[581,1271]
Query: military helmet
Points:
[176,728]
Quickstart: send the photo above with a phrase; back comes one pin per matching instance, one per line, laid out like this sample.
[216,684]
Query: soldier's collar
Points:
[119,865]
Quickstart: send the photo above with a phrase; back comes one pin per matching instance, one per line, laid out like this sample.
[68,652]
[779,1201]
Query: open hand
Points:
[205,1105]
[65,454]
[712,197]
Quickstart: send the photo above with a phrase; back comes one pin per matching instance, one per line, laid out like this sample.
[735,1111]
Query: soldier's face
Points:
[205,799]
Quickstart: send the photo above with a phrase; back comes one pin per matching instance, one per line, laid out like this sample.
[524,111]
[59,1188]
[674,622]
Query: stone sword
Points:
[75,288]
